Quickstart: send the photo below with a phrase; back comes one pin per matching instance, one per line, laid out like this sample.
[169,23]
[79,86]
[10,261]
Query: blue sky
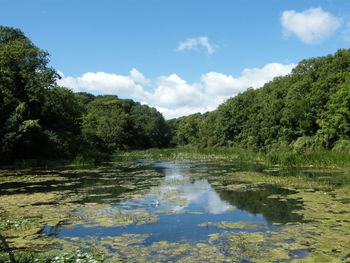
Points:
[180,56]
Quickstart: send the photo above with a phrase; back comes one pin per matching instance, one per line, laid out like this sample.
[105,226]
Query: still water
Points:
[177,201]
[150,203]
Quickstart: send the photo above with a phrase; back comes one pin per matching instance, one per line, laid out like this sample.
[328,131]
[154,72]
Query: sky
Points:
[179,56]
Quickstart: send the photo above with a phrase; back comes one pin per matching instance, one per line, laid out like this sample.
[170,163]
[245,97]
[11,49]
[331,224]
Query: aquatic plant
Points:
[57,256]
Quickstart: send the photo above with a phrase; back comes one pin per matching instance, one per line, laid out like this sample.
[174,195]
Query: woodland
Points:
[307,110]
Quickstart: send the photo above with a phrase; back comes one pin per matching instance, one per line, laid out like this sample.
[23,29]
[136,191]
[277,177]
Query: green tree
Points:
[188,129]
[113,124]
[335,120]
[24,80]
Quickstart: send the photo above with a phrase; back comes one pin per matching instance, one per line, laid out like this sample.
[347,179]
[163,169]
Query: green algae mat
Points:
[193,211]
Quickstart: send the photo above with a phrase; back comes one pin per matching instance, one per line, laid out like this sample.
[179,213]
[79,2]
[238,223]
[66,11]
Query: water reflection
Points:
[258,202]
[168,201]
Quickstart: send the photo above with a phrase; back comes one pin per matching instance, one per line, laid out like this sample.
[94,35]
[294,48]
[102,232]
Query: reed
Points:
[325,158]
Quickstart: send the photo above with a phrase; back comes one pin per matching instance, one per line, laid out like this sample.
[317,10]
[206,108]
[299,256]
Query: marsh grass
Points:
[91,159]
[323,158]
[317,158]
[189,153]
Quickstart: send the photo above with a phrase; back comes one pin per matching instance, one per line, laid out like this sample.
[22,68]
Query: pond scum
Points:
[322,236]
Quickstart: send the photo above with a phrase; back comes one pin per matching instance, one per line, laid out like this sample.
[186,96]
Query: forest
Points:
[39,119]
[307,110]
[100,179]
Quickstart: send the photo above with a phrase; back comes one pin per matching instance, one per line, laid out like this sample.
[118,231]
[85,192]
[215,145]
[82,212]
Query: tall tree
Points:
[24,80]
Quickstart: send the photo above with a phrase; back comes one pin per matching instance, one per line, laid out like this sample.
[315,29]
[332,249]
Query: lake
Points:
[160,211]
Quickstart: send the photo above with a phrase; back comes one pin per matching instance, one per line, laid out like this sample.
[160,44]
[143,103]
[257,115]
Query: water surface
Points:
[150,204]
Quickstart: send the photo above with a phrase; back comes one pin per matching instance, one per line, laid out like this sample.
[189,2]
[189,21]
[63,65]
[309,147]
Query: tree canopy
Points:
[39,119]
[310,106]
[307,109]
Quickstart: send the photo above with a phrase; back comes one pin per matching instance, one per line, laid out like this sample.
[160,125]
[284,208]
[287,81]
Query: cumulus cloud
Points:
[174,91]
[170,113]
[172,95]
[310,26]
[194,43]
[138,77]
[105,83]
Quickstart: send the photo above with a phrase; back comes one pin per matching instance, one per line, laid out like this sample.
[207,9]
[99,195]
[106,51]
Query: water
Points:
[181,195]
[199,211]
[176,202]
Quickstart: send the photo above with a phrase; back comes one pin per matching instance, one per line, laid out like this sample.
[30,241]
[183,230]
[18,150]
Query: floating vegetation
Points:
[178,201]
[173,252]
[325,232]
[113,243]
[238,225]
[106,216]
[59,256]
[7,224]
[175,212]
[172,211]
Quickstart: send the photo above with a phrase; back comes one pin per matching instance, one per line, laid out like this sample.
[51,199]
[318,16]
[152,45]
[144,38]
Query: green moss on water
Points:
[322,235]
[242,225]
[325,230]
[178,201]
[105,216]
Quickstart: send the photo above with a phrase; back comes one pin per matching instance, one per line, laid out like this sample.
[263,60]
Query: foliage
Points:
[56,257]
[306,110]
[24,82]
[342,145]
[112,124]
[40,120]
[18,223]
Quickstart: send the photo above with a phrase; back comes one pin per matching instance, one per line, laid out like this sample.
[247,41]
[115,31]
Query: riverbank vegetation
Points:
[324,158]
[40,120]
[305,111]
[301,118]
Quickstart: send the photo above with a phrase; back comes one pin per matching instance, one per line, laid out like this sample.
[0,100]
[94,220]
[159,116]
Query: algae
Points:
[242,225]
[321,236]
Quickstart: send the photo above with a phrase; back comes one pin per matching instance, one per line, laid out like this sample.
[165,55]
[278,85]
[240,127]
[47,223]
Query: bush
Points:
[342,145]
[307,144]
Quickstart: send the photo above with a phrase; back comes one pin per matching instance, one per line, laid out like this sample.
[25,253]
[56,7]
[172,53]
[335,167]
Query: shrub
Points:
[342,145]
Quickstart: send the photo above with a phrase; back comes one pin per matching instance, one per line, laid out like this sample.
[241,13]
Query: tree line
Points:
[307,110]
[39,119]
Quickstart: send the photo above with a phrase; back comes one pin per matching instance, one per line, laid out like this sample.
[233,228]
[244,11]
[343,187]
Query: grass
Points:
[189,153]
[316,158]
[286,159]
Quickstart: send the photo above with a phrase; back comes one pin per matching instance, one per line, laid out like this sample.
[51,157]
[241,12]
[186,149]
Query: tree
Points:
[335,120]
[24,80]
[113,124]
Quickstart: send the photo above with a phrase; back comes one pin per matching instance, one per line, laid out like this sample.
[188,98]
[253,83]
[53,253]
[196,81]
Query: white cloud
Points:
[174,91]
[310,26]
[105,83]
[212,90]
[172,95]
[138,77]
[170,113]
[219,84]
[193,43]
